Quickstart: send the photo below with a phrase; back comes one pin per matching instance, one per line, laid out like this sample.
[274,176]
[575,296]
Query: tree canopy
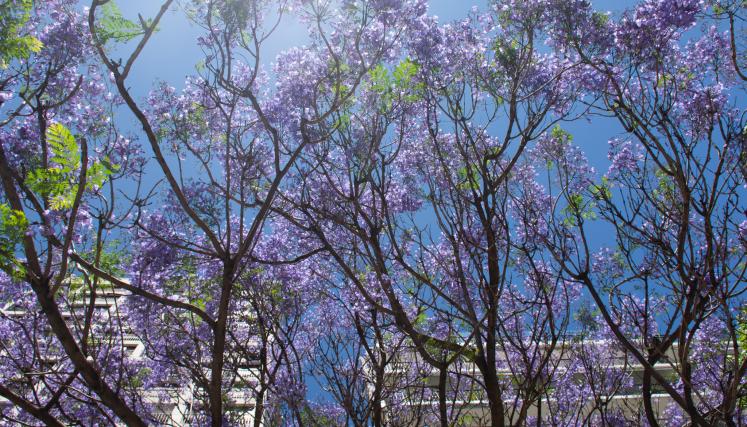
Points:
[390,223]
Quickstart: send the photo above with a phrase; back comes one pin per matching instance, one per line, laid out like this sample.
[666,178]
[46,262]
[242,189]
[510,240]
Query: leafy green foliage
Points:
[404,72]
[578,207]
[601,191]
[50,183]
[13,225]
[561,134]
[64,149]
[600,19]
[59,183]
[665,191]
[114,27]
[379,79]
[468,178]
[399,84]
[342,120]
[420,320]
[13,16]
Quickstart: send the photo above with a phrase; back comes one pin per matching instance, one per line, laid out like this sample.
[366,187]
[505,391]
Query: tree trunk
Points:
[378,417]
[442,412]
[215,394]
[646,391]
[493,393]
[92,377]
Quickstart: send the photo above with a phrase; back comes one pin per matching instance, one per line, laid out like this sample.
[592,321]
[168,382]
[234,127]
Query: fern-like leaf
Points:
[114,27]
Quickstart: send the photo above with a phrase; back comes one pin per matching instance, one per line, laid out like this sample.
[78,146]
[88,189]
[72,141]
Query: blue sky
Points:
[172,53]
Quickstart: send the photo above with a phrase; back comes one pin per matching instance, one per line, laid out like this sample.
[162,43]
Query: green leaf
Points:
[96,175]
[420,319]
[379,79]
[14,14]
[601,191]
[59,182]
[558,133]
[468,178]
[19,48]
[399,84]
[343,121]
[52,184]
[114,27]
[600,19]
[64,149]
[577,207]
[13,226]
[404,72]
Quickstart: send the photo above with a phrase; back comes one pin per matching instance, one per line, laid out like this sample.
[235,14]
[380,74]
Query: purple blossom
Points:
[625,157]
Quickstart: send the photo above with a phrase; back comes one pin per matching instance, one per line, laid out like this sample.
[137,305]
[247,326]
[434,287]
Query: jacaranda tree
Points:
[388,223]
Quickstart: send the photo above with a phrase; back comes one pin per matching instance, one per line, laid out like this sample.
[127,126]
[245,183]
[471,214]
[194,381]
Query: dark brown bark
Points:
[40,284]
[442,407]
[492,390]
[646,394]
[91,376]
[215,394]
[41,414]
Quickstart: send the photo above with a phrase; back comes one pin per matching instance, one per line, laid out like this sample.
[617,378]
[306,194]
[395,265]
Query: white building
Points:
[417,403]
[174,401]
